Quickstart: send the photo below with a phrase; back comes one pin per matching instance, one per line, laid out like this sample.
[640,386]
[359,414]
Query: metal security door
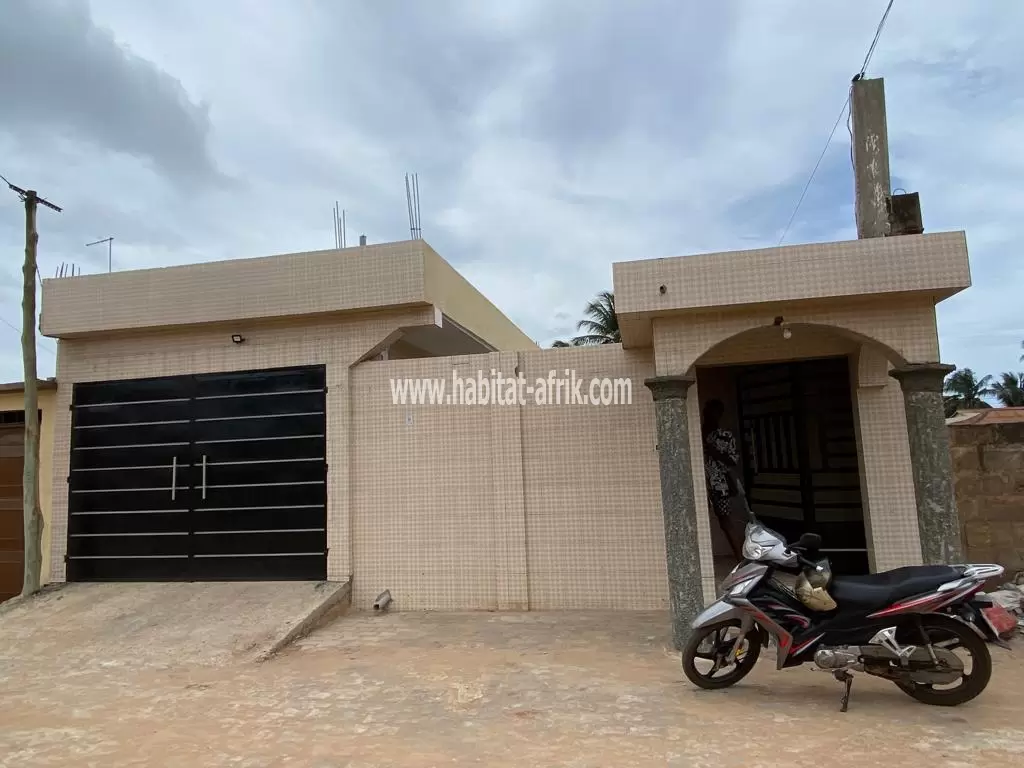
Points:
[219,476]
[800,451]
[259,448]
[129,488]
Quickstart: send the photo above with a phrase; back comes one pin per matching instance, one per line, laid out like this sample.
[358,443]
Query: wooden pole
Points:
[30,477]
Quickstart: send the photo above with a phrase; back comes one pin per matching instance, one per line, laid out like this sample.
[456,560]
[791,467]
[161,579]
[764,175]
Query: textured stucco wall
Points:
[904,328]
[988,467]
[931,267]
[380,277]
[502,506]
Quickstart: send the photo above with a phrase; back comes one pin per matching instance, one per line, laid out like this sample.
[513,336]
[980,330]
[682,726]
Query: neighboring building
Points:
[12,453]
[988,467]
[313,471]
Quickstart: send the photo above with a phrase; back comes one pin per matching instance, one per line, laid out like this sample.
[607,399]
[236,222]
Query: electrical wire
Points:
[863,69]
[814,170]
[878,34]
[16,329]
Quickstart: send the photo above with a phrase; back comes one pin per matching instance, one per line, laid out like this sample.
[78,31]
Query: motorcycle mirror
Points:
[809,542]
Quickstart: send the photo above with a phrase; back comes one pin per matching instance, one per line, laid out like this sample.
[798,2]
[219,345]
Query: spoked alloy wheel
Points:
[706,655]
[949,637]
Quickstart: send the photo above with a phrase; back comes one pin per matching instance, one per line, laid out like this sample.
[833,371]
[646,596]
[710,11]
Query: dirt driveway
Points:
[473,689]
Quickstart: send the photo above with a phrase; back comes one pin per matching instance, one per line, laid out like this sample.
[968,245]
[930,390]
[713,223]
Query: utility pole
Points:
[30,477]
[110,248]
[870,157]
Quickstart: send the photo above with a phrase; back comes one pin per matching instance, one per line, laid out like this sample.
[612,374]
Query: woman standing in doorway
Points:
[721,463]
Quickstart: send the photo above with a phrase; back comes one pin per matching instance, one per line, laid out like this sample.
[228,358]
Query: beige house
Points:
[241,420]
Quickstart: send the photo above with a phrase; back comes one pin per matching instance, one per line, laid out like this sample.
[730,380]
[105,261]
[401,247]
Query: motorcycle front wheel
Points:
[710,646]
[950,635]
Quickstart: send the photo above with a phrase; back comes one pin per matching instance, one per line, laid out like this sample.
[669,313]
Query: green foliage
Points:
[1009,389]
[600,326]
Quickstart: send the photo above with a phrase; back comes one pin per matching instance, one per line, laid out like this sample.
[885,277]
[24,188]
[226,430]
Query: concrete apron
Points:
[205,623]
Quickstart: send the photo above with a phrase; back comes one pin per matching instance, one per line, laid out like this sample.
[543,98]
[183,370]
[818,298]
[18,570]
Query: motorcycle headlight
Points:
[754,551]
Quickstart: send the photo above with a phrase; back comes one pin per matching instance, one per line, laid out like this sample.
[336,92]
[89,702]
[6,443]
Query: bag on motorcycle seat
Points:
[878,590]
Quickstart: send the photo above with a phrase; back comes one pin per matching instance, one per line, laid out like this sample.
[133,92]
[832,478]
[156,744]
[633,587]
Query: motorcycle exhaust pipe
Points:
[383,600]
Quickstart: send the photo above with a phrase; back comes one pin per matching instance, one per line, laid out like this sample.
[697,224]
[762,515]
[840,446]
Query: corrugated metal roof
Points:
[1013,415]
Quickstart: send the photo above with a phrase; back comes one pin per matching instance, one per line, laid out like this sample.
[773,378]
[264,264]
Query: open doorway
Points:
[795,430]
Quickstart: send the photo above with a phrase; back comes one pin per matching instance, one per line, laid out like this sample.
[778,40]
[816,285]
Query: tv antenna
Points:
[412,201]
[110,248]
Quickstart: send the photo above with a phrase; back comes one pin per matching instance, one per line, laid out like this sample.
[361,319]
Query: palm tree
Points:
[964,390]
[601,326]
[560,343]
[1009,390]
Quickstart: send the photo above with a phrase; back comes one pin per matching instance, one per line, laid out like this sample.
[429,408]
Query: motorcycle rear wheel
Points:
[721,645]
[951,634]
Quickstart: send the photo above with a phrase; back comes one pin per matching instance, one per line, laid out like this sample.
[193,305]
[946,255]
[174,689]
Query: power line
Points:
[858,76]
[16,329]
[878,34]
[815,169]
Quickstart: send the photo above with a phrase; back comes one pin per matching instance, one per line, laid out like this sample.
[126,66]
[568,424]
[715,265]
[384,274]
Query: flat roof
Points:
[935,265]
[358,279]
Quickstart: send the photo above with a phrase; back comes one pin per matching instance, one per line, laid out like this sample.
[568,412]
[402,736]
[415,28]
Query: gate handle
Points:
[204,475]
[174,477]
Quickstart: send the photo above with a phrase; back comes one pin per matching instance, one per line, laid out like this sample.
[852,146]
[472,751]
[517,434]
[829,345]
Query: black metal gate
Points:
[207,477]
[800,451]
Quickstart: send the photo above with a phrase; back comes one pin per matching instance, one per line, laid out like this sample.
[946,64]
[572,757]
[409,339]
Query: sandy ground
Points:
[470,689]
[158,625]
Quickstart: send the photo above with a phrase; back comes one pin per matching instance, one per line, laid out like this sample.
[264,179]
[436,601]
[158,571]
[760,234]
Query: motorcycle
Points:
[901,625]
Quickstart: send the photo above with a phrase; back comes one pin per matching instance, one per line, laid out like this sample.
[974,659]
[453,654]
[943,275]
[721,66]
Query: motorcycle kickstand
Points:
[846,678]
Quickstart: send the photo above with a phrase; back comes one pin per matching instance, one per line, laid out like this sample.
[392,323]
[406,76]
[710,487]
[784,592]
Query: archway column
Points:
[682,551]
[931,463]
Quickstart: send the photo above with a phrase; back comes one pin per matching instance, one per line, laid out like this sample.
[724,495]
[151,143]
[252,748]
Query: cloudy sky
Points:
[552,138]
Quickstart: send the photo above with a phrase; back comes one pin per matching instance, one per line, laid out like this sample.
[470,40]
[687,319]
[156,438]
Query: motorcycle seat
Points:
[880,590]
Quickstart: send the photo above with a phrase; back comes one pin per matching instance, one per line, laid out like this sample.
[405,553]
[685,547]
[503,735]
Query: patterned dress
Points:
[717,472]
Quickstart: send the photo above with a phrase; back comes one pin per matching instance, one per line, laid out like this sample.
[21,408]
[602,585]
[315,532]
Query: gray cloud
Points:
[551,139]
[65,76]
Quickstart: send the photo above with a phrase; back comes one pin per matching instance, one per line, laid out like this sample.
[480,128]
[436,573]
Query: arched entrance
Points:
[788,397]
